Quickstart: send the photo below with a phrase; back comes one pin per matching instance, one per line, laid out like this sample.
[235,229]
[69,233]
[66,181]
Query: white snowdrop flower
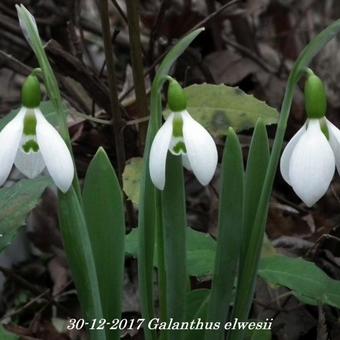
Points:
[309,159]
[185,137]
[31,143]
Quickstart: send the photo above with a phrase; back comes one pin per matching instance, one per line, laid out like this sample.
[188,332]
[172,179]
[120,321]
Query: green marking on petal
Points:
[30,124]
[177,127]
[179,148]
[30,145]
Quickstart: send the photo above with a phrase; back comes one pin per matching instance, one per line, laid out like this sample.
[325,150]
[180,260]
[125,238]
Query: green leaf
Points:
[257,163]
[46,107]
[174,227]
[197,303]
[304,278]
[131,178]
[195,299]
[218,107]
[201,248]
[261,335]
[104,212]
[15,203]
[229,235]
[5,335]
[80,258]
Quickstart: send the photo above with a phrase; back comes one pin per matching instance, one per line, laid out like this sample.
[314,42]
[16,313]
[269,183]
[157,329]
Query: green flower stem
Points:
[247,279]
[150,206]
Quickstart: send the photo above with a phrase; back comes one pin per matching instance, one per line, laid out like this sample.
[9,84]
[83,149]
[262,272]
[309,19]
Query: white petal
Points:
[287,153]
[312,164]
[334,141]
[186,162]
[159,152]
[10,137]
[30,164]
[55,153]
[201,149]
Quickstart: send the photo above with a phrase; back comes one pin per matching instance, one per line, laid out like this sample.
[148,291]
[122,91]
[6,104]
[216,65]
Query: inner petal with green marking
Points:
[29,143]
[30,146]
[177,146]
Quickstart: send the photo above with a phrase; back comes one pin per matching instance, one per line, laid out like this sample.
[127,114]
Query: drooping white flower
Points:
[195,145]
[309,159]
[185,137]
[31,143]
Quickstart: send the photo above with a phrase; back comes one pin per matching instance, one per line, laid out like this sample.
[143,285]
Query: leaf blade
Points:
[218,107]
[104,213]
[174,231]
[80,257]
[314,284]
[229,237]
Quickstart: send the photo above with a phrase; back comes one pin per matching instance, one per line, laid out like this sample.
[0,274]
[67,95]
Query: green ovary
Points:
[30,145]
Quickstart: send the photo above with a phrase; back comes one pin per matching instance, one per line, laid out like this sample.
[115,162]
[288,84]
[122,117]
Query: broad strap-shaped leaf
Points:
[174,231]
[229,234]
[104,212]
[258,158]
[80,258]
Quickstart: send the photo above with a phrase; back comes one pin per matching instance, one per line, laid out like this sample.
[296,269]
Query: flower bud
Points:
[177,99]
[30,92]
[315,96]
